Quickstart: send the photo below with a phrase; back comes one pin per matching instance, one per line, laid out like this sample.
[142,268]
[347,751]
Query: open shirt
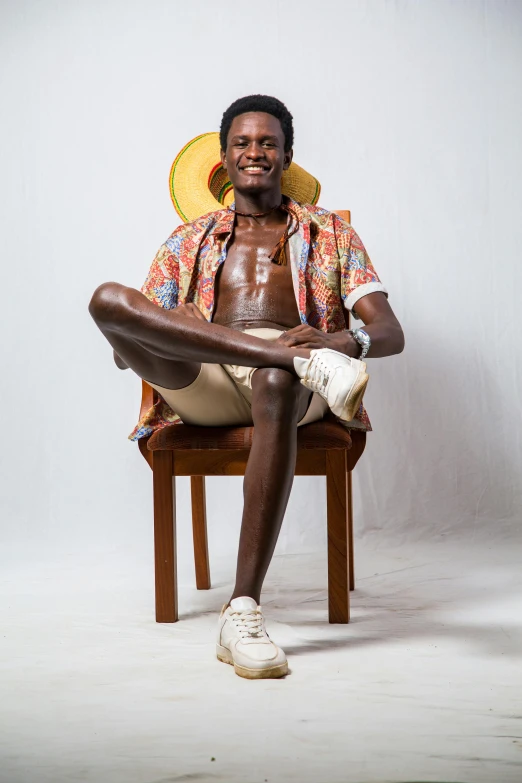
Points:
[330,270]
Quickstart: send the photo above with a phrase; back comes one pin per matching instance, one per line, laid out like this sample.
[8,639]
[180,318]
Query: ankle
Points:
[246,593]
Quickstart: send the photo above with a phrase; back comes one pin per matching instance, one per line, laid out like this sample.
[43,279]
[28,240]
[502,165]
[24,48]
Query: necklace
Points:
[278,254]
[257,214]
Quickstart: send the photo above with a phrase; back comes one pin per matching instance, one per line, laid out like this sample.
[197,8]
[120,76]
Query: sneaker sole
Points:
[354,398]
[272,672]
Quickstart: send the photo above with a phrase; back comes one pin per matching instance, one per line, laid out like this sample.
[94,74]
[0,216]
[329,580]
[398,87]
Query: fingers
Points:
[295,329]
[298,329]
[293,333]
[302,336]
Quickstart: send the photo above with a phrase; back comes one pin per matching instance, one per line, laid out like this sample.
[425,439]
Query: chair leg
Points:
[349,511]
[165,536]
[338,546]
[199,532]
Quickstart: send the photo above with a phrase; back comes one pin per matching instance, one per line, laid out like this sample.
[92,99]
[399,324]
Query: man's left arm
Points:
[380,322]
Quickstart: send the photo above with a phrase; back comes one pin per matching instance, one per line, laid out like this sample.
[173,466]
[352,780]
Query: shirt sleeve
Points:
[358,275]
[162,283]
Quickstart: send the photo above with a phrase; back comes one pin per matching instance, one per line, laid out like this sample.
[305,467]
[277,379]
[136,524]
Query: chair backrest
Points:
[345,214]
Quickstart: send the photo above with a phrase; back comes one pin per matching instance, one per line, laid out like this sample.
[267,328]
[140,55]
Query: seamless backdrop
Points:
[409,113]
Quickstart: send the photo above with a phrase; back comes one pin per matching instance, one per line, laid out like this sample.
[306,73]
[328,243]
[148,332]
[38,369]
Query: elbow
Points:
[109,304]
[101,303]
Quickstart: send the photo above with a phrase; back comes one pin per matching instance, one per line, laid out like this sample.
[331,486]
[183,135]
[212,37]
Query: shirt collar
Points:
[224,220]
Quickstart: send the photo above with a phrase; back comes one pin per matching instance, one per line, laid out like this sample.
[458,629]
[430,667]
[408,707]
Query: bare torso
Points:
[251,290]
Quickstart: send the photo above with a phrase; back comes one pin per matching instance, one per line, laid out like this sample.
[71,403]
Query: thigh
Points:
[212,400]
[151,368]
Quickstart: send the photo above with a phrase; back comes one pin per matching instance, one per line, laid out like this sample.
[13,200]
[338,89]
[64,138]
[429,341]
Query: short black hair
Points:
[258,103]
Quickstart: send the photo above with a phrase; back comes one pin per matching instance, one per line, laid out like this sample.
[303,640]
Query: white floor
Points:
[424,684]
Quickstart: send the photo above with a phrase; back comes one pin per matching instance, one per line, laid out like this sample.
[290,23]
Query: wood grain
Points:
[349,514]
[337,521]
[345,214]
[224,462]
[199,532]
[148,398]
[142,445]
[164,537]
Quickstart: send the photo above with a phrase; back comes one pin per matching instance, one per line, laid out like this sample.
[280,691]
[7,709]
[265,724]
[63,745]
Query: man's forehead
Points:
[255,122]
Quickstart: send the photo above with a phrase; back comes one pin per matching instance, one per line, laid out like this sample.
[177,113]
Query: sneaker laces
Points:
[317,374]
[249,623]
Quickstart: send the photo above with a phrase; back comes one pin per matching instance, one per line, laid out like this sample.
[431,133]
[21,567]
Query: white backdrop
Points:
[409,113]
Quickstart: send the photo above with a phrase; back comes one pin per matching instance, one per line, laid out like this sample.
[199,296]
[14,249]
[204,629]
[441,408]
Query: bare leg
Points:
[278,403]
[166,347]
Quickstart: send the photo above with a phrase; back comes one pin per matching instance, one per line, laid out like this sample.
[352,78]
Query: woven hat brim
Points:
[198,183]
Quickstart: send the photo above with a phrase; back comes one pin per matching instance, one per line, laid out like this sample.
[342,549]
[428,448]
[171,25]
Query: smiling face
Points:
[255,156]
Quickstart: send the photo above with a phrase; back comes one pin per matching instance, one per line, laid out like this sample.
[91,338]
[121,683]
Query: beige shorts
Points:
[221,395]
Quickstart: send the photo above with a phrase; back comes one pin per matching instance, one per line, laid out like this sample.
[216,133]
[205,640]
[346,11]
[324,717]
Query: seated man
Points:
[241,322]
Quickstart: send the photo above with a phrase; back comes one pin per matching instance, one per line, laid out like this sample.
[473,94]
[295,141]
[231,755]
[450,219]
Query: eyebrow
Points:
[241,136]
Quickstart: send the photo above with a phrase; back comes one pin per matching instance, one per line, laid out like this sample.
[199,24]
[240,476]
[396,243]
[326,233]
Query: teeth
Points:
[253,168]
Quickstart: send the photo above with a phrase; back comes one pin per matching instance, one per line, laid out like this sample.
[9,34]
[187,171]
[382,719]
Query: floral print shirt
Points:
[330,269]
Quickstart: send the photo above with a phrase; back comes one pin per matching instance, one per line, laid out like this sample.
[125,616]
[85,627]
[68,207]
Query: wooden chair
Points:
[324,448]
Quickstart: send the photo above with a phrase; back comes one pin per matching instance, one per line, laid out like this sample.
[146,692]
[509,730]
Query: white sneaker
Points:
[338,378]
[243,642]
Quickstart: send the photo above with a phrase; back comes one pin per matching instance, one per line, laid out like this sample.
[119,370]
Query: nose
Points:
[254,151]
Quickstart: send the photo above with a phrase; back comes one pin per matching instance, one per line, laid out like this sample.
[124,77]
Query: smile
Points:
[254,168]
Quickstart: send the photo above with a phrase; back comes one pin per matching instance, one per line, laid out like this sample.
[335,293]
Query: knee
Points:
[276,394]
[107,303]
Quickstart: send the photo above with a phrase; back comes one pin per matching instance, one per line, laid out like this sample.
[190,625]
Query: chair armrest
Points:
[148,397]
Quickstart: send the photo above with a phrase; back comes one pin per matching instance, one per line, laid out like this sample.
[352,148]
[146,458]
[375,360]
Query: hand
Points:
[189,311]
[304,336]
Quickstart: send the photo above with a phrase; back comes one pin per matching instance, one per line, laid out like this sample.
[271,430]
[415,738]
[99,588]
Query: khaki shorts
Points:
[221,395]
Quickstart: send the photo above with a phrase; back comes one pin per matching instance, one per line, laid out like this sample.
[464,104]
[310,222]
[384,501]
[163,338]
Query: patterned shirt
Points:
[330,270]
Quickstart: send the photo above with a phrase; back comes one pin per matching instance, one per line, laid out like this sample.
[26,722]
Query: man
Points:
[241,321]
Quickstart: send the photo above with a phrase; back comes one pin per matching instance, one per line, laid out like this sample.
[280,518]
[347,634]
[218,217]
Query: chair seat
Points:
[325,434]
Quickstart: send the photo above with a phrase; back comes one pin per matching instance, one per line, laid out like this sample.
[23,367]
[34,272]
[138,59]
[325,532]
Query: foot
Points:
[244,643]
[339,379]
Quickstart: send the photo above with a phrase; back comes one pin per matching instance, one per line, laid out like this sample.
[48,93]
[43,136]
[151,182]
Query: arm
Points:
[381,324]
[379,321]
[361,291]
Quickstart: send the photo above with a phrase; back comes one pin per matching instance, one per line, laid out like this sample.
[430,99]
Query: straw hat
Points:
[199,183]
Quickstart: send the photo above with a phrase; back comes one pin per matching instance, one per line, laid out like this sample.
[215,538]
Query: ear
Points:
[288,159]
[223,159]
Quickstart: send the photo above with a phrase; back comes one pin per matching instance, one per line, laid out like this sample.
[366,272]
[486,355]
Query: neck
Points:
[257,202]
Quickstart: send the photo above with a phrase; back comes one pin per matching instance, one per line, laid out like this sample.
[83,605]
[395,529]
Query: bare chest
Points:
[249,263]
[251,287]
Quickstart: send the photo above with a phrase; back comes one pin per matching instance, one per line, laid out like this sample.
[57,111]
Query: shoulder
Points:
[197,229]
[324,217]
[328,221]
